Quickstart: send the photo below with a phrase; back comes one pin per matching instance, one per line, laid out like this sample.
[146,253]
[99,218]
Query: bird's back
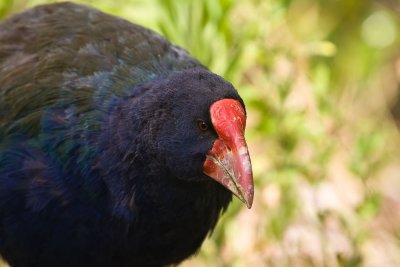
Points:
[63,53]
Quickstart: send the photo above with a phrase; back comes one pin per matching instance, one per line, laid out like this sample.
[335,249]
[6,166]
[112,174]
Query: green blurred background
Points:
[321,82]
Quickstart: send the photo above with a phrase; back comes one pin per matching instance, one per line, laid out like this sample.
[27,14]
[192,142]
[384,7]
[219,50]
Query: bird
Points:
[117,147]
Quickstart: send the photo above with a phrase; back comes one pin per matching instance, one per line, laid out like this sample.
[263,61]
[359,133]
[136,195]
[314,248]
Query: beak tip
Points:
[245,196]
[249,200]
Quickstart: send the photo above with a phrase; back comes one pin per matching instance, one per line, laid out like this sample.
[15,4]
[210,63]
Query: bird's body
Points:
[98,164]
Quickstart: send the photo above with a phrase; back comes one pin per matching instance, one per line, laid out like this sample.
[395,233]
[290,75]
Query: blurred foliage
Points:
[321,82]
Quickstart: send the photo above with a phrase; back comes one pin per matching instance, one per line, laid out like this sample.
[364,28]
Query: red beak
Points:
[228,162]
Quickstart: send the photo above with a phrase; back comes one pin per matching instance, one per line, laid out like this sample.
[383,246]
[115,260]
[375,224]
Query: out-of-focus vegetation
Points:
[321,82]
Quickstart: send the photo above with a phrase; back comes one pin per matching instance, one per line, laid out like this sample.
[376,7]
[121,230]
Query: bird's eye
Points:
[202,125]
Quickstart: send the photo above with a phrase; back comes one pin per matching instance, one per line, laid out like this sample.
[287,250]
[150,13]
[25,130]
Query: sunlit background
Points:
[320,79]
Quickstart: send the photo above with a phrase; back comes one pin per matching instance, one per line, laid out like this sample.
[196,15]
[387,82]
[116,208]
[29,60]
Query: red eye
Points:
[202,125]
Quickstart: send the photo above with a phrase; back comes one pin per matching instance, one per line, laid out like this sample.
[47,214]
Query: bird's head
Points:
[201,135]
[191,125]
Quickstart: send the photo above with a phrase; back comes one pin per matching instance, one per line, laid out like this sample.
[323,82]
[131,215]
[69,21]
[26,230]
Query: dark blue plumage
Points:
[101,156]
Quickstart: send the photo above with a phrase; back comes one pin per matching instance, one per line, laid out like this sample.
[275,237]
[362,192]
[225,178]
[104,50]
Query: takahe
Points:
[117,148]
